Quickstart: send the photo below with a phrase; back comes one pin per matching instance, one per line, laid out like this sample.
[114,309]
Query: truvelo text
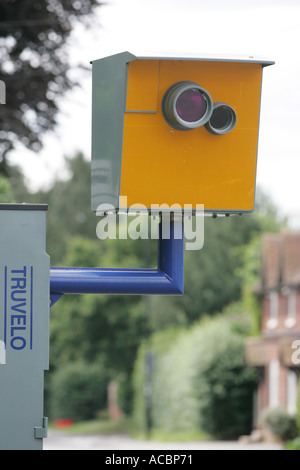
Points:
[18,309]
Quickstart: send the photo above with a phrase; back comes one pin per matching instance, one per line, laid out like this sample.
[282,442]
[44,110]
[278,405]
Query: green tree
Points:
[79,390]
[224,383]
[34,65]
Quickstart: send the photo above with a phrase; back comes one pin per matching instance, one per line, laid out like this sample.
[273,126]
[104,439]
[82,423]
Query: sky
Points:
[269,28]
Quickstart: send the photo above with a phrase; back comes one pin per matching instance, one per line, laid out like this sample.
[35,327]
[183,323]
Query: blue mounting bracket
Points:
[167,279]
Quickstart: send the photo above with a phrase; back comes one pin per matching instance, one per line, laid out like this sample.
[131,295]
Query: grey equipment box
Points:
[24,325]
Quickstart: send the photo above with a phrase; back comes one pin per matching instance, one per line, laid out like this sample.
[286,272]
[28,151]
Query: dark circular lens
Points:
[186,105]
[191,105]
[221,118]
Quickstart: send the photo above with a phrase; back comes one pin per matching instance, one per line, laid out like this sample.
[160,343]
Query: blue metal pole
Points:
[167,279]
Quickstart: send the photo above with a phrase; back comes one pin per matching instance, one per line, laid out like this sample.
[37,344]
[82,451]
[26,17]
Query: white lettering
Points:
[116,460]
[191,227]
[198,234]
[296,354]
[138,227]
[107,227]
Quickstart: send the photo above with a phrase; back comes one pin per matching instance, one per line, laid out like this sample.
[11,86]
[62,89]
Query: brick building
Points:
[277,352]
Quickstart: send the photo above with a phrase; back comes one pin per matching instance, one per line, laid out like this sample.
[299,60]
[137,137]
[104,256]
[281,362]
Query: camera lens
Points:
[191,105]
[186,106]
[223,119]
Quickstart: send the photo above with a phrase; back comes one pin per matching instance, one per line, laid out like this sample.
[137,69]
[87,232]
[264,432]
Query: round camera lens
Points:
[191,105]
[186,105]
[221,118]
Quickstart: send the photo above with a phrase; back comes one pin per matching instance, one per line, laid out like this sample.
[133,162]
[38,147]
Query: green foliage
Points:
[79,390]
[224,384]
[200,381]
[266,213]
[281,423]
[159,344]
[5,190]
[292,445]
[249,273]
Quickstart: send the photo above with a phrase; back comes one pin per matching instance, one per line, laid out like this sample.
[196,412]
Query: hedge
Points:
[78,391]
[200,381]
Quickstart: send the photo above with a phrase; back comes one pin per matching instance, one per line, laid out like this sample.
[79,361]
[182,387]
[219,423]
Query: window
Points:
[291,392]
[274,382]
[273,310]
[290,320]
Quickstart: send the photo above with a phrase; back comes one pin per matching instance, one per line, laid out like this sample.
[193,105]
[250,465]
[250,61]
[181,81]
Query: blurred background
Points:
[221,361]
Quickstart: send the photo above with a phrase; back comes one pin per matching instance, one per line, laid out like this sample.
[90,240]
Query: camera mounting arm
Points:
[167,279]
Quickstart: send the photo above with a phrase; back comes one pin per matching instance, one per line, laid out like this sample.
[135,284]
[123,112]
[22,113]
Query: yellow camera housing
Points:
[176,131]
